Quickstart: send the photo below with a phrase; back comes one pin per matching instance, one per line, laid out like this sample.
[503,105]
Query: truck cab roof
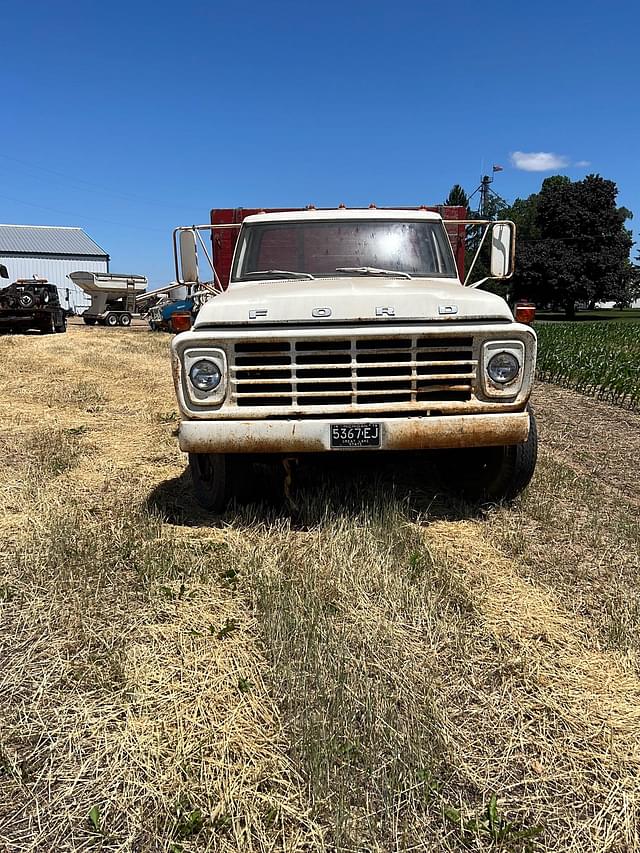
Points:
[342,213]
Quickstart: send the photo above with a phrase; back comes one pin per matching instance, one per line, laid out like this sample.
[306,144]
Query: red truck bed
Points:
[224,240]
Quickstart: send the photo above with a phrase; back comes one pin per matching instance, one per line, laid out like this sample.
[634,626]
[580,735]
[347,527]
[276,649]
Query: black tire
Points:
[125,319]
[111,320]
[61,326]
[495,474]
[90,321]
[47,327]
[220,477]
[209,475]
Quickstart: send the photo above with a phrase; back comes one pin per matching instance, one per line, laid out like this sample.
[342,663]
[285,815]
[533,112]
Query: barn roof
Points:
[47,240]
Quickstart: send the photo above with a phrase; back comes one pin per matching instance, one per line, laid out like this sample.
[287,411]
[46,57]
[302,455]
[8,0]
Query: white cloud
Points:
[582,164]
[538,161]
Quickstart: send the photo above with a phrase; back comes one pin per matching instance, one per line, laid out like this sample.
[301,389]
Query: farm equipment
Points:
[31,303]
[352,330]
[113,296]
[171,311]
[171,316]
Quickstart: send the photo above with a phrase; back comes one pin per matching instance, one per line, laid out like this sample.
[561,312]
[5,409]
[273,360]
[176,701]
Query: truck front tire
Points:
[209,475]
[494,474]
[219,478]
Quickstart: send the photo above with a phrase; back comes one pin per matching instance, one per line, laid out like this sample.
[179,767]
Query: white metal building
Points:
[51,252]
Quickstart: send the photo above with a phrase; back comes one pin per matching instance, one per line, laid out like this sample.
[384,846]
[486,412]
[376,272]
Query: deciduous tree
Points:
[572,243]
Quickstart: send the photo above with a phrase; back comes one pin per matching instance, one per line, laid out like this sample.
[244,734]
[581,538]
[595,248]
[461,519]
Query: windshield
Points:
[329,248]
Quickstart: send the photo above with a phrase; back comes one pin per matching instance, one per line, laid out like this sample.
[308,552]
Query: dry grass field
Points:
[375,667]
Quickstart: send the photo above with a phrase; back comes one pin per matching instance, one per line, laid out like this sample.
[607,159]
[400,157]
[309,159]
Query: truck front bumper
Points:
[313,436]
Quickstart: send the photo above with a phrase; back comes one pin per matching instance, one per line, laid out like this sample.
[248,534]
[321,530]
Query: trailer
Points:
[113,296]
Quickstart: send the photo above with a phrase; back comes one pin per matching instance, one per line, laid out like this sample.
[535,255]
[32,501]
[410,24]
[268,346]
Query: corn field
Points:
[599,359]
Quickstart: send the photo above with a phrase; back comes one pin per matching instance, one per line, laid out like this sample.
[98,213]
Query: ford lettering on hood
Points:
[357,299]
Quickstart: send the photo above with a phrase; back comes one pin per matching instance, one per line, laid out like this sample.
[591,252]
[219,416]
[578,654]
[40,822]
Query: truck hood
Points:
[358,299]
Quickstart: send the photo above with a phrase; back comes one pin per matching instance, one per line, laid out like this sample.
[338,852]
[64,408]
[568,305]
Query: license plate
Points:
[355,435]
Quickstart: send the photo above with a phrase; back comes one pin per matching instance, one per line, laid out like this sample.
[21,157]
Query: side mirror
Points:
[502,246]
[3,271]
[188,257]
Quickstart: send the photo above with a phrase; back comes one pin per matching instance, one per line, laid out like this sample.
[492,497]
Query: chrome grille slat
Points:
[344,380]
[346,365]
[360,372]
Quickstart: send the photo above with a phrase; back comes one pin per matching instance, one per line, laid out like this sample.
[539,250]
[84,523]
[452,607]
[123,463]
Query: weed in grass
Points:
[492,828]
[94,818]
[189,821]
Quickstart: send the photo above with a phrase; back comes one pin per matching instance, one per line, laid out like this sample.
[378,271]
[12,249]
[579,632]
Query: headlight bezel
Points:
[510,388]
[190,359]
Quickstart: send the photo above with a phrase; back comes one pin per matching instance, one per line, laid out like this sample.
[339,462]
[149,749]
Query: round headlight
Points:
[503,367]
[205,375]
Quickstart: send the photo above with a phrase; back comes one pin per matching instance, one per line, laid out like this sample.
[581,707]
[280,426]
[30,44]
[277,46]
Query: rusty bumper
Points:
[313,436]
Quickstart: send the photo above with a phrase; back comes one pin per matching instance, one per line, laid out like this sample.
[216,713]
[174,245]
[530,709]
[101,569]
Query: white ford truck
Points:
[349,330]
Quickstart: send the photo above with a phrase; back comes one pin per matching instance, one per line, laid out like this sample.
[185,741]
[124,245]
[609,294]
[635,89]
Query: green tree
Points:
[572,243]
[457,197]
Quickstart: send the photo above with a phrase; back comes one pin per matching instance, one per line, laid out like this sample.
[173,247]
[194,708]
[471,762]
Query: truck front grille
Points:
[352,372]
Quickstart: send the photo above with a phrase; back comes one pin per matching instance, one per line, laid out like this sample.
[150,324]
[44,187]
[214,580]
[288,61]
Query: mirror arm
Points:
[210,260]
[475,258]
[479,282]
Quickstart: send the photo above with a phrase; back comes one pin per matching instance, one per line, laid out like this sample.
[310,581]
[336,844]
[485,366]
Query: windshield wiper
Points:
[374,271]
[282,273]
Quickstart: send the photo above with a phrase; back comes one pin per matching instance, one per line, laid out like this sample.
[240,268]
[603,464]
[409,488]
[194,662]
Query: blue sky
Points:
[130,118]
